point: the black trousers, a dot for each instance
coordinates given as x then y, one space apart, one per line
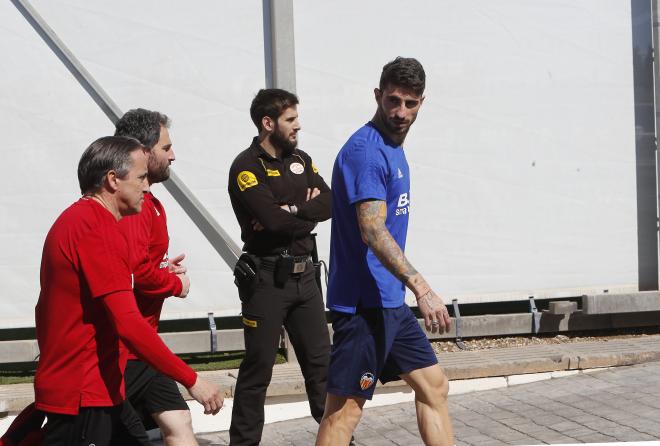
298 306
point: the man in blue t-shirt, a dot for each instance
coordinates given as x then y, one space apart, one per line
376 336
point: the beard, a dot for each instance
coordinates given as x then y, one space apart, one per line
393 128
279 140
158 172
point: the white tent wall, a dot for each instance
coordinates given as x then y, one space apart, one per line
523 156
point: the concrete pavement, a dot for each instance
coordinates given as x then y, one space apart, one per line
620 404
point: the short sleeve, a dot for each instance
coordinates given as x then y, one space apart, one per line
365 173
103 256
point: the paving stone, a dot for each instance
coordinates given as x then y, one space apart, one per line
599 407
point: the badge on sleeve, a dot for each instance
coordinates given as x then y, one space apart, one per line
314 168
246 179
297 168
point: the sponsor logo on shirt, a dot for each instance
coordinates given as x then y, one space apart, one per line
314 168
399 174
273 172
403 206
246 179
297 168
366 380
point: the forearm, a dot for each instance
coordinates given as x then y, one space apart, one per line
371 220
156 283
142 340
316 210
390 255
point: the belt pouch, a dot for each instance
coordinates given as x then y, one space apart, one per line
246 276
283 268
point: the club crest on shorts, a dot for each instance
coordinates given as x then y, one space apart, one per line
366 380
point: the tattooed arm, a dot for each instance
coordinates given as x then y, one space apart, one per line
371 215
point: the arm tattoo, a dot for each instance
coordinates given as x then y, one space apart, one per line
371 217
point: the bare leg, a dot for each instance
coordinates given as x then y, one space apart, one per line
341 417
431 387
176 427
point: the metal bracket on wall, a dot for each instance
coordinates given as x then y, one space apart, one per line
214 333
457 320
536 315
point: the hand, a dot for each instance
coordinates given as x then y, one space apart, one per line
208 395
434 311
175 265
185 285
256 226
312 193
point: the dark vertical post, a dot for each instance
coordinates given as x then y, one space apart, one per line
645 143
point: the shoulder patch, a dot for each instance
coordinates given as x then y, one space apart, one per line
273 172
314 168
246 179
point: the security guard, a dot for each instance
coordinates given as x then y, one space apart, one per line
278 197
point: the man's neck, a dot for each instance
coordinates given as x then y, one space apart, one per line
394 138
269 147
107 202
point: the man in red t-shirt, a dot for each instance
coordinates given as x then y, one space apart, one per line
86 310
155 397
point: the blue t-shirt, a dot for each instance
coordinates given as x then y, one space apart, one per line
367 167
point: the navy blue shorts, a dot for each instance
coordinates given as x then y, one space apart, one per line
375 343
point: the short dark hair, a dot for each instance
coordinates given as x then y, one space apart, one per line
404 72
271 102
103 155
143 125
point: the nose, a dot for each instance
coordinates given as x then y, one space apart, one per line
145 186
400 112
171 157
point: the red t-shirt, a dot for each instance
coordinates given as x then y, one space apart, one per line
81 361
86 304
148 241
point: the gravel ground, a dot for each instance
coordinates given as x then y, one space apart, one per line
476 344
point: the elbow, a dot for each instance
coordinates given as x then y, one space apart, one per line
367 235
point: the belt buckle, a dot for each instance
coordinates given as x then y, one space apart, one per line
299 267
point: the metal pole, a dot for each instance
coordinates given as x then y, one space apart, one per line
656 78
218 237
213 232
280 64
279 45
85 79
645 147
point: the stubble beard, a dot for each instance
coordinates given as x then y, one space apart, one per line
158 173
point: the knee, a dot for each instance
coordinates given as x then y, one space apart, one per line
443 386
175 424
257 367
345 417
435 390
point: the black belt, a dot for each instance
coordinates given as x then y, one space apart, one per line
299 263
